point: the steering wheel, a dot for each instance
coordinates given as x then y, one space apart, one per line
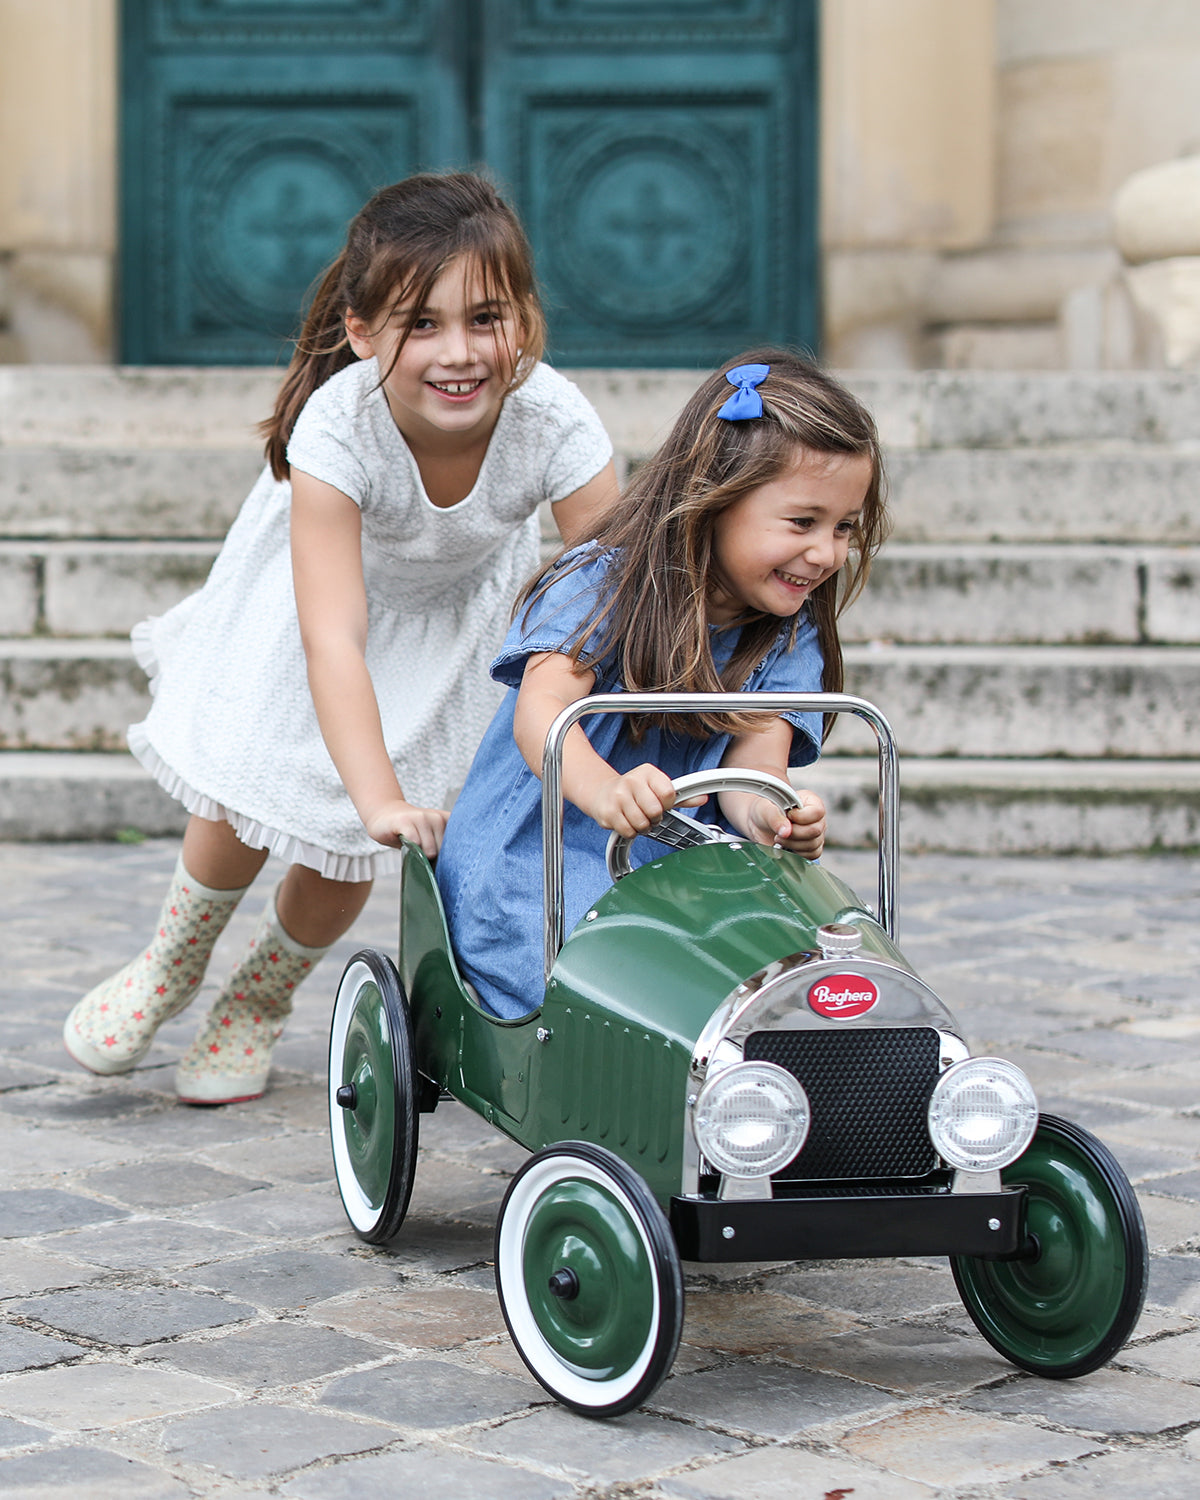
680 831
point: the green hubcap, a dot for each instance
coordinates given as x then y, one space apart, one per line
579 1226
371 1125
1057 1308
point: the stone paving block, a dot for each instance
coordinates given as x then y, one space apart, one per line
82 1110
1174 1358
261 1439
291 1213
421 1318
1178 1185
20 1349
289 1279
90 1472
618 1451
36 1151
767 1401
790 1474
760 1323
24 1270
128 1316
267 1355
168 1183
1111 1401
871 1289
428 1246
1171 1223
453 1191
303 1158
43 1210
950 1448
426 1393
909 1359
151 1244
19 1435
418 1473
1175 1282
1133 1472
76 1398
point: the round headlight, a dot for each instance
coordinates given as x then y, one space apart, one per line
982 1114
751 1119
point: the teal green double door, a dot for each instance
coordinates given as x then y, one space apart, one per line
661 153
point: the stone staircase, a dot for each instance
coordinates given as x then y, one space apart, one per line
1032 630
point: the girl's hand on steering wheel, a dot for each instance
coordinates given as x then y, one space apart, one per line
631 803
801 829
399 819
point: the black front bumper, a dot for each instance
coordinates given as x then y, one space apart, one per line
987 1225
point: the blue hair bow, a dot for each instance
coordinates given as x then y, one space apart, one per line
745 401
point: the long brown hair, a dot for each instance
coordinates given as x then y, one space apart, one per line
396 248
654 612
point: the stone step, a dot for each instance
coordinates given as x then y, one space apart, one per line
1010 595
919 594
174 407
1050 496
1126 702
954 806
95 588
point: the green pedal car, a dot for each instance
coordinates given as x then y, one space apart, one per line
732 1061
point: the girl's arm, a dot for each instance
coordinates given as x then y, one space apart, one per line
331 601
576 515
628 803
803 827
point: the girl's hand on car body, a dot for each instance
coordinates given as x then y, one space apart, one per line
399 819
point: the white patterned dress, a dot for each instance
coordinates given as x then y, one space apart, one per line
232 732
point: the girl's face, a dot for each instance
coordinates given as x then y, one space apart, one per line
453 371
776 543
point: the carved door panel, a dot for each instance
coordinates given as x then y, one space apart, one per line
253 131
661 152
663 156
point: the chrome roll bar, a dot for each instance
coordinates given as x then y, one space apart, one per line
710 703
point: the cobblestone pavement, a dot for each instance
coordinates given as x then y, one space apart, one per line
184 1311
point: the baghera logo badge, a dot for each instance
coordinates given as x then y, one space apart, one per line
842 996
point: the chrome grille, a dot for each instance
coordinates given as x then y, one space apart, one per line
869 1089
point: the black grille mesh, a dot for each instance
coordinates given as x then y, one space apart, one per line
869 1092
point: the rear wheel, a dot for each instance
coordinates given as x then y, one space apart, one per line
1070 1305
589 1279
373 1096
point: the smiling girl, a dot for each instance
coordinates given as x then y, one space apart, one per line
322 694
723 568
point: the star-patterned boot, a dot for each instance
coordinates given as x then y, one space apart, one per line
111 1028
230 1058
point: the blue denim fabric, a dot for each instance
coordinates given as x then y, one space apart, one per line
490 866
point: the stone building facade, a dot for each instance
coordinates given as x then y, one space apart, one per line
971 151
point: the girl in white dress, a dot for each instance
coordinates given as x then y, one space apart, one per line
322 695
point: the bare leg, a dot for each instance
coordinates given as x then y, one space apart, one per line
315 911
215 856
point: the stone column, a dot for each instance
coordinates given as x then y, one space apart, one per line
1156 224
57 180
908 142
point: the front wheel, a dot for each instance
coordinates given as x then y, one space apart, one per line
373 1096
1068 1306
589 1279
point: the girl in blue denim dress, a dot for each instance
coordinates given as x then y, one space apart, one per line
723 568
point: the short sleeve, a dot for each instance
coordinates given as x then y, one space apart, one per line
326 440
795 671
581 446
555 617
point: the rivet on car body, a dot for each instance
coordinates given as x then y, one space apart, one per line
591 916
728 1232
993 1223
544 1033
